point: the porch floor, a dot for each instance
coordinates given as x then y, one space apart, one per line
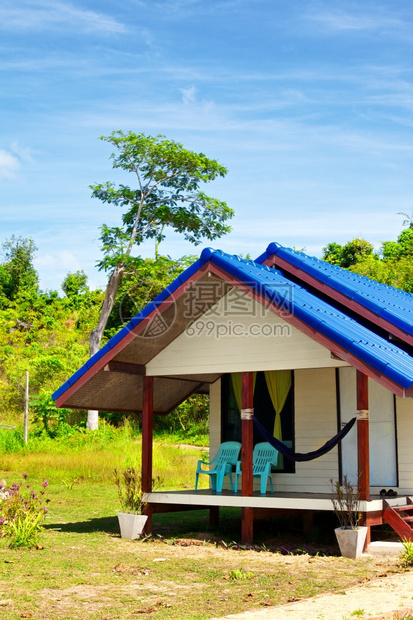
277 500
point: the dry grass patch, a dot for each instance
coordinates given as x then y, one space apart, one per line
86 571
176 466
97 575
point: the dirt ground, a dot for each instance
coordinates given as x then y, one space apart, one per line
385 598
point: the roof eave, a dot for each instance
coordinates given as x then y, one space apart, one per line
271 258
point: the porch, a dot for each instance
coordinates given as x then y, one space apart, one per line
205 498
265 506
252 503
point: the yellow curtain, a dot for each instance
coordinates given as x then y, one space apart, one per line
236 378
279 384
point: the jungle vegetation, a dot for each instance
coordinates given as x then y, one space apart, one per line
47 332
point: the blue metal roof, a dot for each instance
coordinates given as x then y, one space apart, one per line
387 302
372 349
346 332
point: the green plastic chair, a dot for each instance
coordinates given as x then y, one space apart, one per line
263 457
220 466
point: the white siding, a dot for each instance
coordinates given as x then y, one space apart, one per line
348 408
404 409
383 466
383 458
315 423
225 341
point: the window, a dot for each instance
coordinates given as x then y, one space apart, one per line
264 410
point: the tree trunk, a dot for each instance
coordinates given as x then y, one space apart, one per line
92 422
95 337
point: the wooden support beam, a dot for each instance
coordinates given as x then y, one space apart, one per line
372 518
363 449
308 521
247 526
147 443
125 368
148 511
214 517
364 521
247 411
247 429
362 391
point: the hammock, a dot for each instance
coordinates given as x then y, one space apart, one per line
298 456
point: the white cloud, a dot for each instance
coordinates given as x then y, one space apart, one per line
188 95
9 164
24 153
46 14
60 260
340 20
11 159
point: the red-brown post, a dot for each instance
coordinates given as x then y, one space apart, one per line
363 444
363 451
147 442
247 411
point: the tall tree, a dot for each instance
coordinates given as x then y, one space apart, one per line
347 255
17 273
168 195
391 265
141 283
75 283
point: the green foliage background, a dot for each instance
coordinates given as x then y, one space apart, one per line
392 264
47 334
40 332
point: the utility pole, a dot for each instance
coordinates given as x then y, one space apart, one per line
26 407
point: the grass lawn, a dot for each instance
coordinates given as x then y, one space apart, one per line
85 570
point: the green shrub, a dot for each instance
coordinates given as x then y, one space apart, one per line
11 440
239 573
48 417
22 513
407 554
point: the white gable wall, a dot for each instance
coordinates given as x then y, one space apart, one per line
228 340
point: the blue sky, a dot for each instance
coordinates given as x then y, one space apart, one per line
308 104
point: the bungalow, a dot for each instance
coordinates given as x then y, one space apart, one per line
295 344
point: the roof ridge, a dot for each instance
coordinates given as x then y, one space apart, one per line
303 305
274 247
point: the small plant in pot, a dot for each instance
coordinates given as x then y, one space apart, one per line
346 504
131 518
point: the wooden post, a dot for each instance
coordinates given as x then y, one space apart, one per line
308 521
26 408
247 411
363 451
363 444
214 517
147 443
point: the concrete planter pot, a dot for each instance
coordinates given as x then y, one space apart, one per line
131 526
351 542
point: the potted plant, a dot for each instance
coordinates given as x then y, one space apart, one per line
131 518
346 503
